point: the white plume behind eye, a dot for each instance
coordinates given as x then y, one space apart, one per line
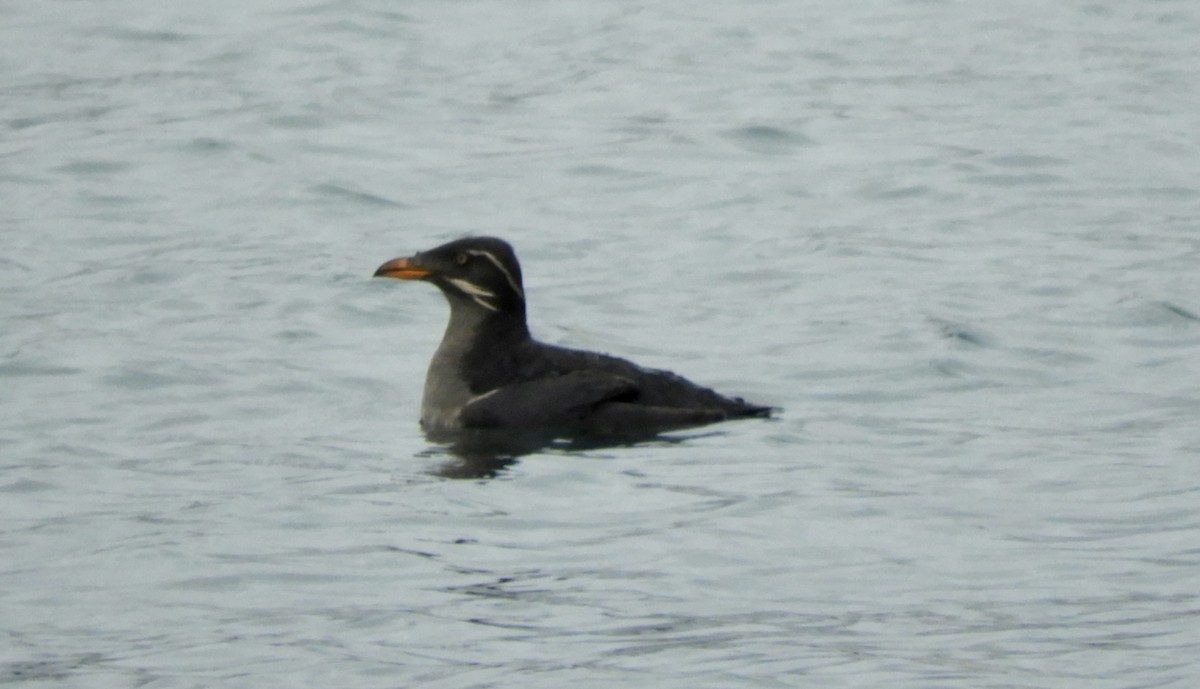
512 282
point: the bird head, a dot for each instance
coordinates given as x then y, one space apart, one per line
476 272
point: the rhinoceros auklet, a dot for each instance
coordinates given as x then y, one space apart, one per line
489 373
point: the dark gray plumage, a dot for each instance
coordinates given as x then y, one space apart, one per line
489 373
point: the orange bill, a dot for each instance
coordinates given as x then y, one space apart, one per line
402 269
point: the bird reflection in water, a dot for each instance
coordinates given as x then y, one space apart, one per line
486 454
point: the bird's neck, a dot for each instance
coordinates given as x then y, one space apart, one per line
469 325
476 337
476 351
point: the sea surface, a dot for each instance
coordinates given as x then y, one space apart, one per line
958 243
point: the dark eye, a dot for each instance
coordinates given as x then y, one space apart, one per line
461 259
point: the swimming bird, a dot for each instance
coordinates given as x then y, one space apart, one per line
489 373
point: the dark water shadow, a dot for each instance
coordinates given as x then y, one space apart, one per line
48 669
489 454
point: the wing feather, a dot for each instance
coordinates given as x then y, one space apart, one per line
555 401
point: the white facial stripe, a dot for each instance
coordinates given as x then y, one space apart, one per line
470 288
476 292
511 281
484 304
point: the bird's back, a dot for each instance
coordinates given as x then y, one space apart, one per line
655 387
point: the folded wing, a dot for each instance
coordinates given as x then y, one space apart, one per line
563 401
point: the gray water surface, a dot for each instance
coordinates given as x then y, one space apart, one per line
957 243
